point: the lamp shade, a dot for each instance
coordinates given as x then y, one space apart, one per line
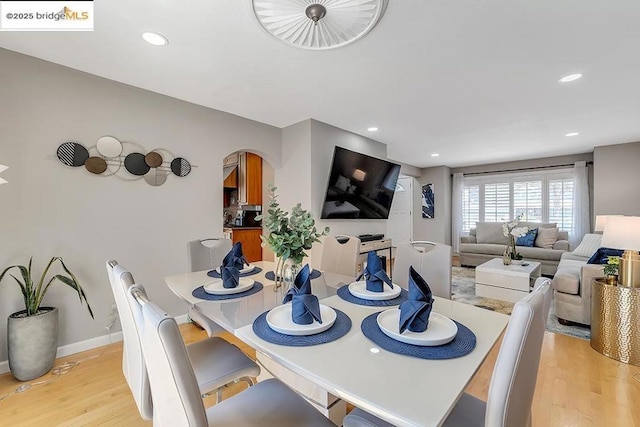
622 232
601 221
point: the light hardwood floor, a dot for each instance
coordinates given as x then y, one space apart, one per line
576 387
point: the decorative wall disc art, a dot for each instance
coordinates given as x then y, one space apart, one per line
72 154
125 160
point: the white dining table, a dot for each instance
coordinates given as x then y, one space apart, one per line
403 390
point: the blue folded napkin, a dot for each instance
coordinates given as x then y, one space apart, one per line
235 257
305 307
230 276
374 274
414 313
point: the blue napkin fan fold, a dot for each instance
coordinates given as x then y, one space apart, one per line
235 257
414 313
305 307
374 274
230 276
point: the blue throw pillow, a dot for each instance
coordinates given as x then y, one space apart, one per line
528 239
602 255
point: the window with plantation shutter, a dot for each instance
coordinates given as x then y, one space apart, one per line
541 196
496 202
470 207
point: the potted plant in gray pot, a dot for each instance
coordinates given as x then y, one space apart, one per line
32 333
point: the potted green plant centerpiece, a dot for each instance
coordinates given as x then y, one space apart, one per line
290 235
32 333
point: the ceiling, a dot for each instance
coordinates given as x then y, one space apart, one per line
473 80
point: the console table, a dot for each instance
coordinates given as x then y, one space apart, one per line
373 245
615 316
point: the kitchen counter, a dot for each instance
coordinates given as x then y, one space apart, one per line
243 227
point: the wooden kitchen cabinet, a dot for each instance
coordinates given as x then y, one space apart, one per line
251 242
250 179
232 180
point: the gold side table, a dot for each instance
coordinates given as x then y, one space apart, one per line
615 321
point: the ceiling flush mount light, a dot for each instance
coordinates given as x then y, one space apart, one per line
372 129
435 154
570 78
319 25
155 39
573 134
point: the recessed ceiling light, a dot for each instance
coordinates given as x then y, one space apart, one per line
372 129
155 39
573 134
570 78
374 350
434 154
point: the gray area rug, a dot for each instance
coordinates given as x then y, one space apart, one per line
464 290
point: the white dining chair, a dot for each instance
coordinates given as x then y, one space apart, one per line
514 376
175 392
216 362
431 260
340 255
206 254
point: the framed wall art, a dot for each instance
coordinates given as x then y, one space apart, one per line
427 201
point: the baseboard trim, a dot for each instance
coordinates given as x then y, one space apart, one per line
89 344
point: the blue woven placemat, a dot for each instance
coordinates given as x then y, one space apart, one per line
338 330
199 292
213 273
270 275
343 292
462 344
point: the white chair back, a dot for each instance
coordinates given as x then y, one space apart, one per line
173 383
514 377
431 260
133 366
340 258
206 254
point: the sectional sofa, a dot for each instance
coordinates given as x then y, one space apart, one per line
487 241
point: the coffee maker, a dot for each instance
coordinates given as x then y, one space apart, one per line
246 216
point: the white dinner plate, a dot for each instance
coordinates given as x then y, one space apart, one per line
359 290
215 287
441 329
247 269
279 319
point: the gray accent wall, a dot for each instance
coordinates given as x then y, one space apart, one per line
616 179
437 229
50 209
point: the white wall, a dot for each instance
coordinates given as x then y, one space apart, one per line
49 209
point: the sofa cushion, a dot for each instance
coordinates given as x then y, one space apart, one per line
482 248
546 237
490 232
531 225
589 245
540 254
567 277
528 239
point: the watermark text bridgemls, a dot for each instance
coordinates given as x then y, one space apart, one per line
46 16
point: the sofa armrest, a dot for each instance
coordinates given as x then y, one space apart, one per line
562 245
468 239
588 272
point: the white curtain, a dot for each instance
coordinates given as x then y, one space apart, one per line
581 217
456 211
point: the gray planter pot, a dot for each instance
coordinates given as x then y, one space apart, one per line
32 343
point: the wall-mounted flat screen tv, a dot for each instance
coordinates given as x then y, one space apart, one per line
360 186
